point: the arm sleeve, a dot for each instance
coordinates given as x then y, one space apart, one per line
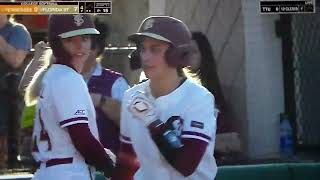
72 113
71 99
127 163
199 129
89 147
20 39
118 88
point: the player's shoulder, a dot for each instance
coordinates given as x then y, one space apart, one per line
59 70
111 72
61 76
116 76
195 87
137 87
197 91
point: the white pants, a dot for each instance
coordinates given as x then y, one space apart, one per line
70 171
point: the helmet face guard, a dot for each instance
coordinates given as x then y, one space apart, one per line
170 30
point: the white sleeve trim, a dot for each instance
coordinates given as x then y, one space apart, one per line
75 122
125 139
72 121
195 137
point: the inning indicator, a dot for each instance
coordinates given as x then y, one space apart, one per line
54 7
287 7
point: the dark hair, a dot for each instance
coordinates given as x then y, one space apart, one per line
207 72
99 41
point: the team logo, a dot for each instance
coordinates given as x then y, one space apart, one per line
78 19
176 124
148 24
80 112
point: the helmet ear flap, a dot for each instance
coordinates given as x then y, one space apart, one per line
134 59
179 56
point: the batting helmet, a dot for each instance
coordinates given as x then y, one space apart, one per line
167 29
66 26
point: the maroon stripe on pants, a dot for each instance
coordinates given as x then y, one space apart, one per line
53 162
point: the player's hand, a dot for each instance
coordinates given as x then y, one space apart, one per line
111 164
96 98
111 155
39 49
143 108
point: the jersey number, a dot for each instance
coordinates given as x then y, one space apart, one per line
43 136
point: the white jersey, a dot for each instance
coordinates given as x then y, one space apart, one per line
195 106
64 100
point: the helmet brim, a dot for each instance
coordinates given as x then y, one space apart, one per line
79 32
137 37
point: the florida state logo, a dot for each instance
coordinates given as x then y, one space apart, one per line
148 24
78 19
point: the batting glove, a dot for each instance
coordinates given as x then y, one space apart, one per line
143 108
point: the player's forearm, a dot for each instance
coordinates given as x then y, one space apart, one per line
127 163
14 57
112 108
194 150
89 147
176 152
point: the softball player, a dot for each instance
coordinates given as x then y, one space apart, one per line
168 122
65 138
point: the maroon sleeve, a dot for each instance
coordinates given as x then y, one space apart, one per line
194 149
127 163
88 146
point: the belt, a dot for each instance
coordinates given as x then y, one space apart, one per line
58 161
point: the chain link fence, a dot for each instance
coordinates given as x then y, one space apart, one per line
306 63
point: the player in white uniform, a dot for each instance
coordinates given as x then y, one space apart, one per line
168 122
65 138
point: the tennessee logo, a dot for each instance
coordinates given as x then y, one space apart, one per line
80 112
197 124
78 19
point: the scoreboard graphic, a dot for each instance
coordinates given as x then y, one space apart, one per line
287 6
56 7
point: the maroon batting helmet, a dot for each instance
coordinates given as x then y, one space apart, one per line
170 30
66 26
